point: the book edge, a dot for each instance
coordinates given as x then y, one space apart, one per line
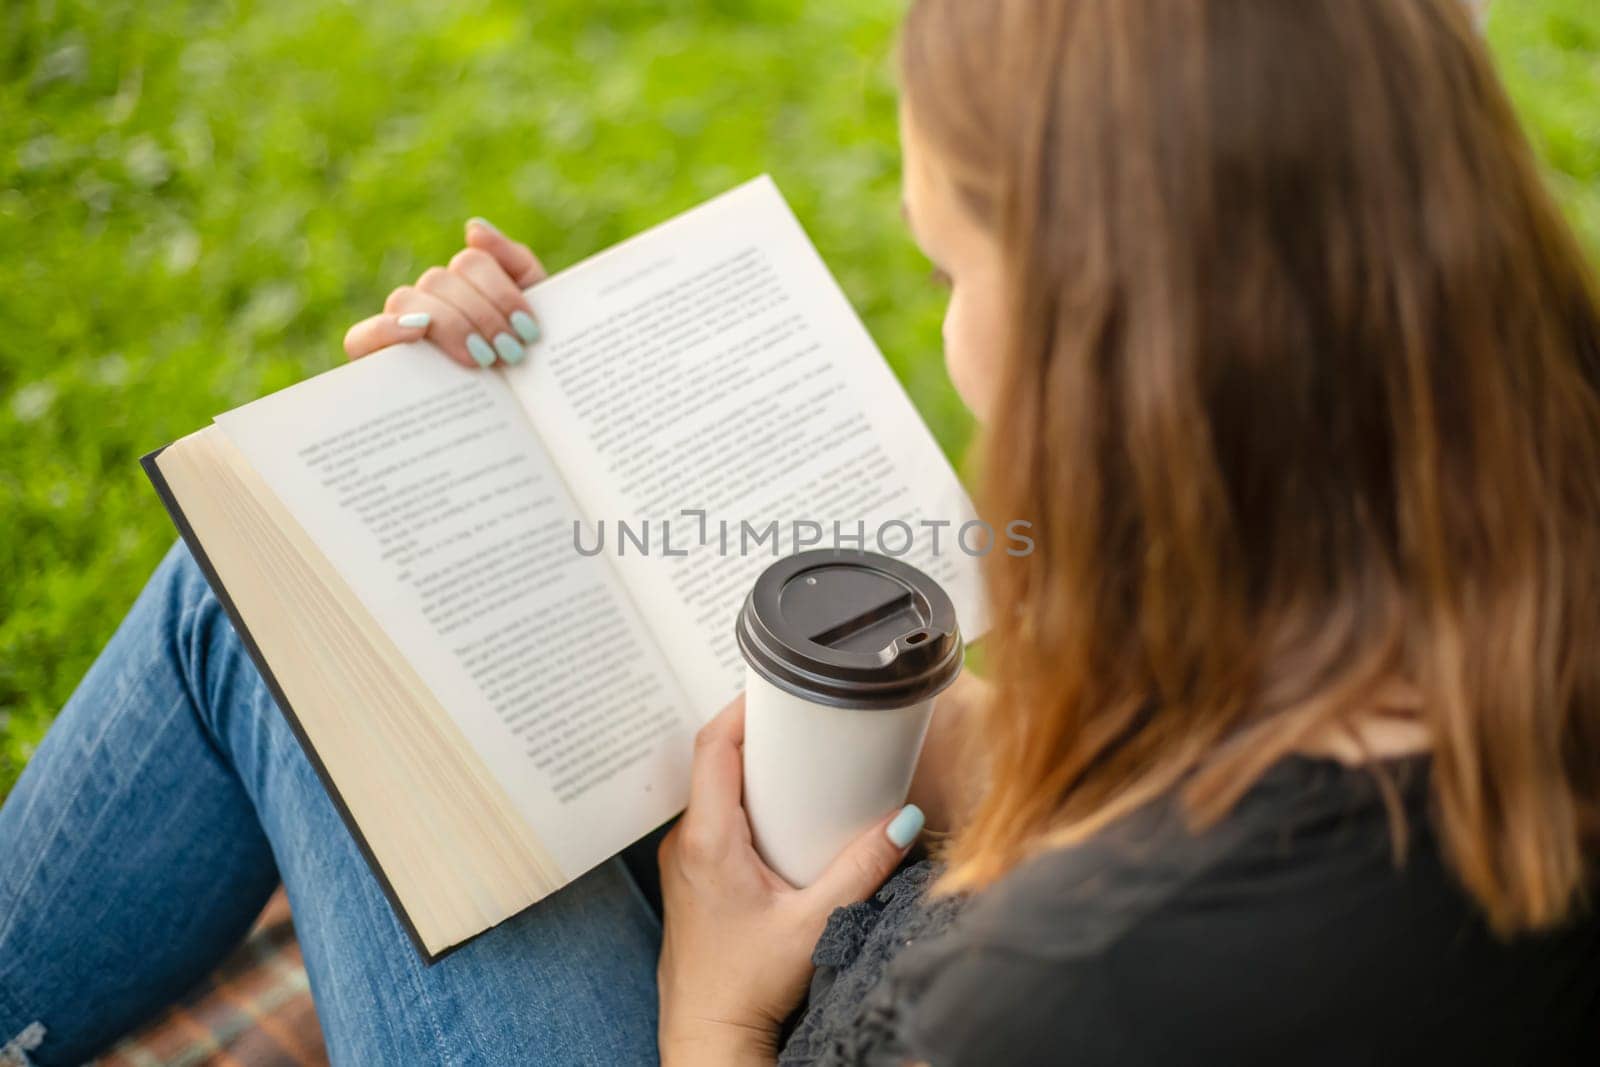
192 540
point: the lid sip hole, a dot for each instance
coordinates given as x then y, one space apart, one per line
917 638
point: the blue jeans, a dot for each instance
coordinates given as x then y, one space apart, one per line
169 800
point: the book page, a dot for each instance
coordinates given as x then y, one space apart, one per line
425 488
714 402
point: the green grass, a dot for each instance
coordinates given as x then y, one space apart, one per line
197 198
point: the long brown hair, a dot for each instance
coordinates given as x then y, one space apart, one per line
1300 392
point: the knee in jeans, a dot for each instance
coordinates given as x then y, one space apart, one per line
194 620
182 580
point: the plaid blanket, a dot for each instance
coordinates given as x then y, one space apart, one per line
255 1011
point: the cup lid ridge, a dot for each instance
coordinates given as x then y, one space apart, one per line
850 629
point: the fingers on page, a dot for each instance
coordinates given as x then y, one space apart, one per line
447 327
381 331
487 320
485 274
516 258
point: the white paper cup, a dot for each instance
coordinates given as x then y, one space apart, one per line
815 776
844 654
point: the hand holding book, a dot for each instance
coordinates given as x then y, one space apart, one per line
474 309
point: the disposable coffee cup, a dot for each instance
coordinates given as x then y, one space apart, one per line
844 652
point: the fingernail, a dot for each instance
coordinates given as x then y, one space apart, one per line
523 323
480 350
904 828
485 223
508 348
415 320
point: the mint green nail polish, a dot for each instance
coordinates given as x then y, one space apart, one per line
480 350
416 320
485 223
523 323
905 827
508 348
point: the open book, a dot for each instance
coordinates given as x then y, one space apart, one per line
496 605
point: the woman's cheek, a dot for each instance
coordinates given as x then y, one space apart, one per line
967 358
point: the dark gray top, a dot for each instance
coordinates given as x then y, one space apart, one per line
1288 933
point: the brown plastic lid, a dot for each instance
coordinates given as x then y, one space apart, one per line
850 629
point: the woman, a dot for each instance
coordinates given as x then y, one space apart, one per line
1293 746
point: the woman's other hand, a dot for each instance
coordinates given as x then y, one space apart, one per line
473 309
736 951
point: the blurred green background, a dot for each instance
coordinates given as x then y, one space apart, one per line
198 198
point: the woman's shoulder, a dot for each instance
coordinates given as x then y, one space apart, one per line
1303 813
1293 905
